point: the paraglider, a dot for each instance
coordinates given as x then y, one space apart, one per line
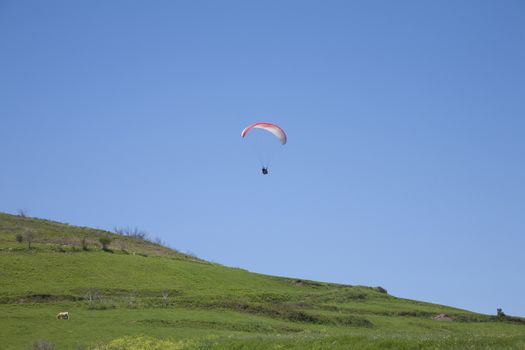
274 129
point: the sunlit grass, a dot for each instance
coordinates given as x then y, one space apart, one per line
155 298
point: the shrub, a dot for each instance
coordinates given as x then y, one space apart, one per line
60 249
132 232
131 300
190 254
43 345
91 294
105 241
19 238
84 244
165 295
146 342
101 305
381 290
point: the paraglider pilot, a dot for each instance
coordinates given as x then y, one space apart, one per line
264 170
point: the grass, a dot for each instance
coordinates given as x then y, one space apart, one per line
151 297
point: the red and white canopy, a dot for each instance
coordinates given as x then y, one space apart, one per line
274 129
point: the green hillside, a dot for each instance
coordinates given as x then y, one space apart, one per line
136 294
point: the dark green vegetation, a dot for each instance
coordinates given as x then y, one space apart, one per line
136 294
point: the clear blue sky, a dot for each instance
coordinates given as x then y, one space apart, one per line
406 122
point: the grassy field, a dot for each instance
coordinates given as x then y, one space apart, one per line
140 295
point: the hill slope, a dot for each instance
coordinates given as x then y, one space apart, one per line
141 295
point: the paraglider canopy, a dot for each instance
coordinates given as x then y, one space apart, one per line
274 129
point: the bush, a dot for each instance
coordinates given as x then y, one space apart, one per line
165 296
91 295
84 244
60 249
105 241
132 232
146 342
101 305
381 290
19 238
43 345
131 301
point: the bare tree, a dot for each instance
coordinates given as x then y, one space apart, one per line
165 295
91 295
28 236
132 232
22 212
191 254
